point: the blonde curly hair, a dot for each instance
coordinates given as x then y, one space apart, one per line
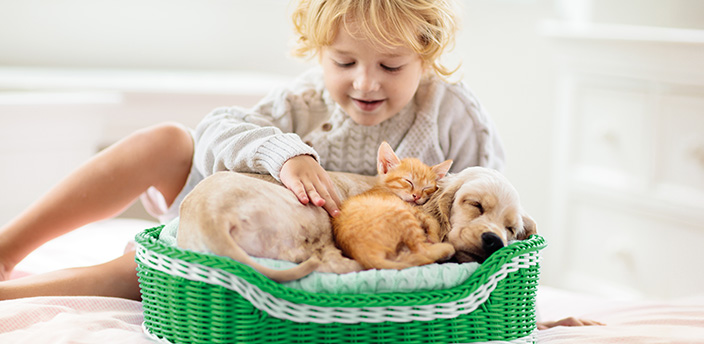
428 27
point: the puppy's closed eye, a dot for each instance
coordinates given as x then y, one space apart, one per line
477 205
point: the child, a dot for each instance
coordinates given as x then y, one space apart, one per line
379 80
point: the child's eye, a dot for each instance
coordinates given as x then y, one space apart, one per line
344 65
391 69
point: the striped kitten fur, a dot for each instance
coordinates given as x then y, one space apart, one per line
384 227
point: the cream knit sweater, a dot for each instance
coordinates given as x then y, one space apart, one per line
443 121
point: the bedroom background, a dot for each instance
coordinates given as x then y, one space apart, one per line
600 105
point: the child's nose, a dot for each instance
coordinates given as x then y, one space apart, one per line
365 81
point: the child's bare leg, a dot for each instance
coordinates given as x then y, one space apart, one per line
158 156
116 278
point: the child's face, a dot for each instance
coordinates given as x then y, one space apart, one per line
371 83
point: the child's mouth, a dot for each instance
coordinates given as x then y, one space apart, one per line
368 105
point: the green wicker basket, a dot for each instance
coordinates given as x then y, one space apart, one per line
190 297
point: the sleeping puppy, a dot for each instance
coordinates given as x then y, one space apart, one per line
238 215
480 212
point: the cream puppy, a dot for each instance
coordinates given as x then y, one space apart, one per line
238 215
481 212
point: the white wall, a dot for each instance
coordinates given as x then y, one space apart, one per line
208 34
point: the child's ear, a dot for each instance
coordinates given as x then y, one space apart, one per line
442 168
386 159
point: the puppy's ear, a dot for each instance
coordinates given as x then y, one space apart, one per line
440 204
529 227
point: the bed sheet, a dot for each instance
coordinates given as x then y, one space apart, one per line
113 320
71 320
627 321
91 244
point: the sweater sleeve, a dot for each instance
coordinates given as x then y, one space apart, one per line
468 134
257 140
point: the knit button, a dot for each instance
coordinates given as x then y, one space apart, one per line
327 126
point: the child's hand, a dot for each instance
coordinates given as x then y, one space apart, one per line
310 183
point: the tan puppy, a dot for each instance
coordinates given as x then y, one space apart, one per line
480 213
237 215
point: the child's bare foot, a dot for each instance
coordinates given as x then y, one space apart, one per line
570 321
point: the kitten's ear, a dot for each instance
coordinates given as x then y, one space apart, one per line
386 159
442 168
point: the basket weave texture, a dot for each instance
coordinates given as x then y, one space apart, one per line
191 297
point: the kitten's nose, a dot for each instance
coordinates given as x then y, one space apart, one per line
416 197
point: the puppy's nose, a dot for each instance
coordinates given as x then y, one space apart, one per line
491 243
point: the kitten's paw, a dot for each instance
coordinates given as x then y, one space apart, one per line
442 252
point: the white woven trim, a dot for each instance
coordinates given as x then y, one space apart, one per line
303 313
152 336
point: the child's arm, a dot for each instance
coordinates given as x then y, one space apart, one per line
226 143
243 140
260 139
310 183
265 138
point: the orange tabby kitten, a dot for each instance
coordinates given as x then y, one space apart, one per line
375 227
